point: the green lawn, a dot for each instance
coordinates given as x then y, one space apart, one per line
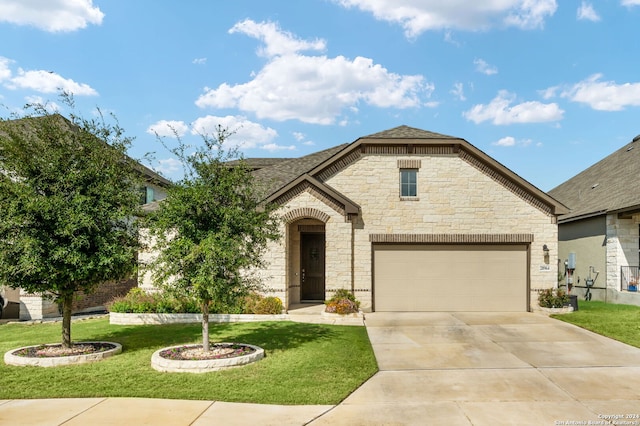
304 363
620 322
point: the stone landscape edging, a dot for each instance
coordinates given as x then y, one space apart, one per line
166 365
11 359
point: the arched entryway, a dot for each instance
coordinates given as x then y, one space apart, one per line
306 257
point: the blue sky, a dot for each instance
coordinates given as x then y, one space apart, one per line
545 87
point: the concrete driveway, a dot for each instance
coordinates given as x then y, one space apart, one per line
491 369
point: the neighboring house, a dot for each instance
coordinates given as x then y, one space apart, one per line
602 227
35 306
409 220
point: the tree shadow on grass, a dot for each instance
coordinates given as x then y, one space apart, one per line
268 335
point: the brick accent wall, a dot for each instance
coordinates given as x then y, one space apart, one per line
104 293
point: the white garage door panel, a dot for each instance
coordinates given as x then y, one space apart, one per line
450 277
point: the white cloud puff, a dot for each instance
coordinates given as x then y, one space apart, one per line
244 133
506 141
500 111
47 82
604 95
312 89
169 166
418 16
483 67
586 12
51 15
168 128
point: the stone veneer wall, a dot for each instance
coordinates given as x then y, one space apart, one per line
454 198
622 247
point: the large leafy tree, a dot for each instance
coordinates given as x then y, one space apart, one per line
211 230
68 198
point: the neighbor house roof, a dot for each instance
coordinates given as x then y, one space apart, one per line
26 125
313 170
609 186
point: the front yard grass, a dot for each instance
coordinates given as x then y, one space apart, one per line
304 363
619 322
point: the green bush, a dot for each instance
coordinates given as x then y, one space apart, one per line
141 302
269 306
552 298
342 302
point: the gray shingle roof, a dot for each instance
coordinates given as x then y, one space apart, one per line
611 184
280 174
406 132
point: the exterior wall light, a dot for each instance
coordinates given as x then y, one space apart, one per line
545 251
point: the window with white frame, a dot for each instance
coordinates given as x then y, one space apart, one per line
408 183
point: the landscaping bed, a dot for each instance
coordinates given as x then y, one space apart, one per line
304 363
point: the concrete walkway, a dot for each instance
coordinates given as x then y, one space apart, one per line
435 368
491 369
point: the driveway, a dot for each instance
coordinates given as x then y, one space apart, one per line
491 369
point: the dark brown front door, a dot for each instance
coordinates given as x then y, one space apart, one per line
311 267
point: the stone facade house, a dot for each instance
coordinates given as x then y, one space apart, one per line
602 229
409 220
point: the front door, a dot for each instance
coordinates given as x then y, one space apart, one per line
311 267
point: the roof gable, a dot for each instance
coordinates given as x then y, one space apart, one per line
609 185
402 140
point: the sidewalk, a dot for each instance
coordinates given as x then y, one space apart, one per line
155 412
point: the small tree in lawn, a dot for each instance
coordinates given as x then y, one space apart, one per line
68 196
211 230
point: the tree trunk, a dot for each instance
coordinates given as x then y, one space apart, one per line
205 326
67 301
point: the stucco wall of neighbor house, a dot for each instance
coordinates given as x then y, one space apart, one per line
587 239
453 198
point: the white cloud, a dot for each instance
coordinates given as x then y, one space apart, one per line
46 82
500 111
245 133
418 16
49 106
299 136
549 92
483 67
274 147
586 12
631 2
199 61
5 71
169 166
509 141
458 91
51 15
312 89
604 95
168 128
276 42
506 141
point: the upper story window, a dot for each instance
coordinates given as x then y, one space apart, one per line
409 178
147 195
408 182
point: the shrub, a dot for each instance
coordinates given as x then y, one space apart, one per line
551 298
139 301
269 306
342 302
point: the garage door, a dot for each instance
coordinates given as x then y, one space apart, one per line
482 278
